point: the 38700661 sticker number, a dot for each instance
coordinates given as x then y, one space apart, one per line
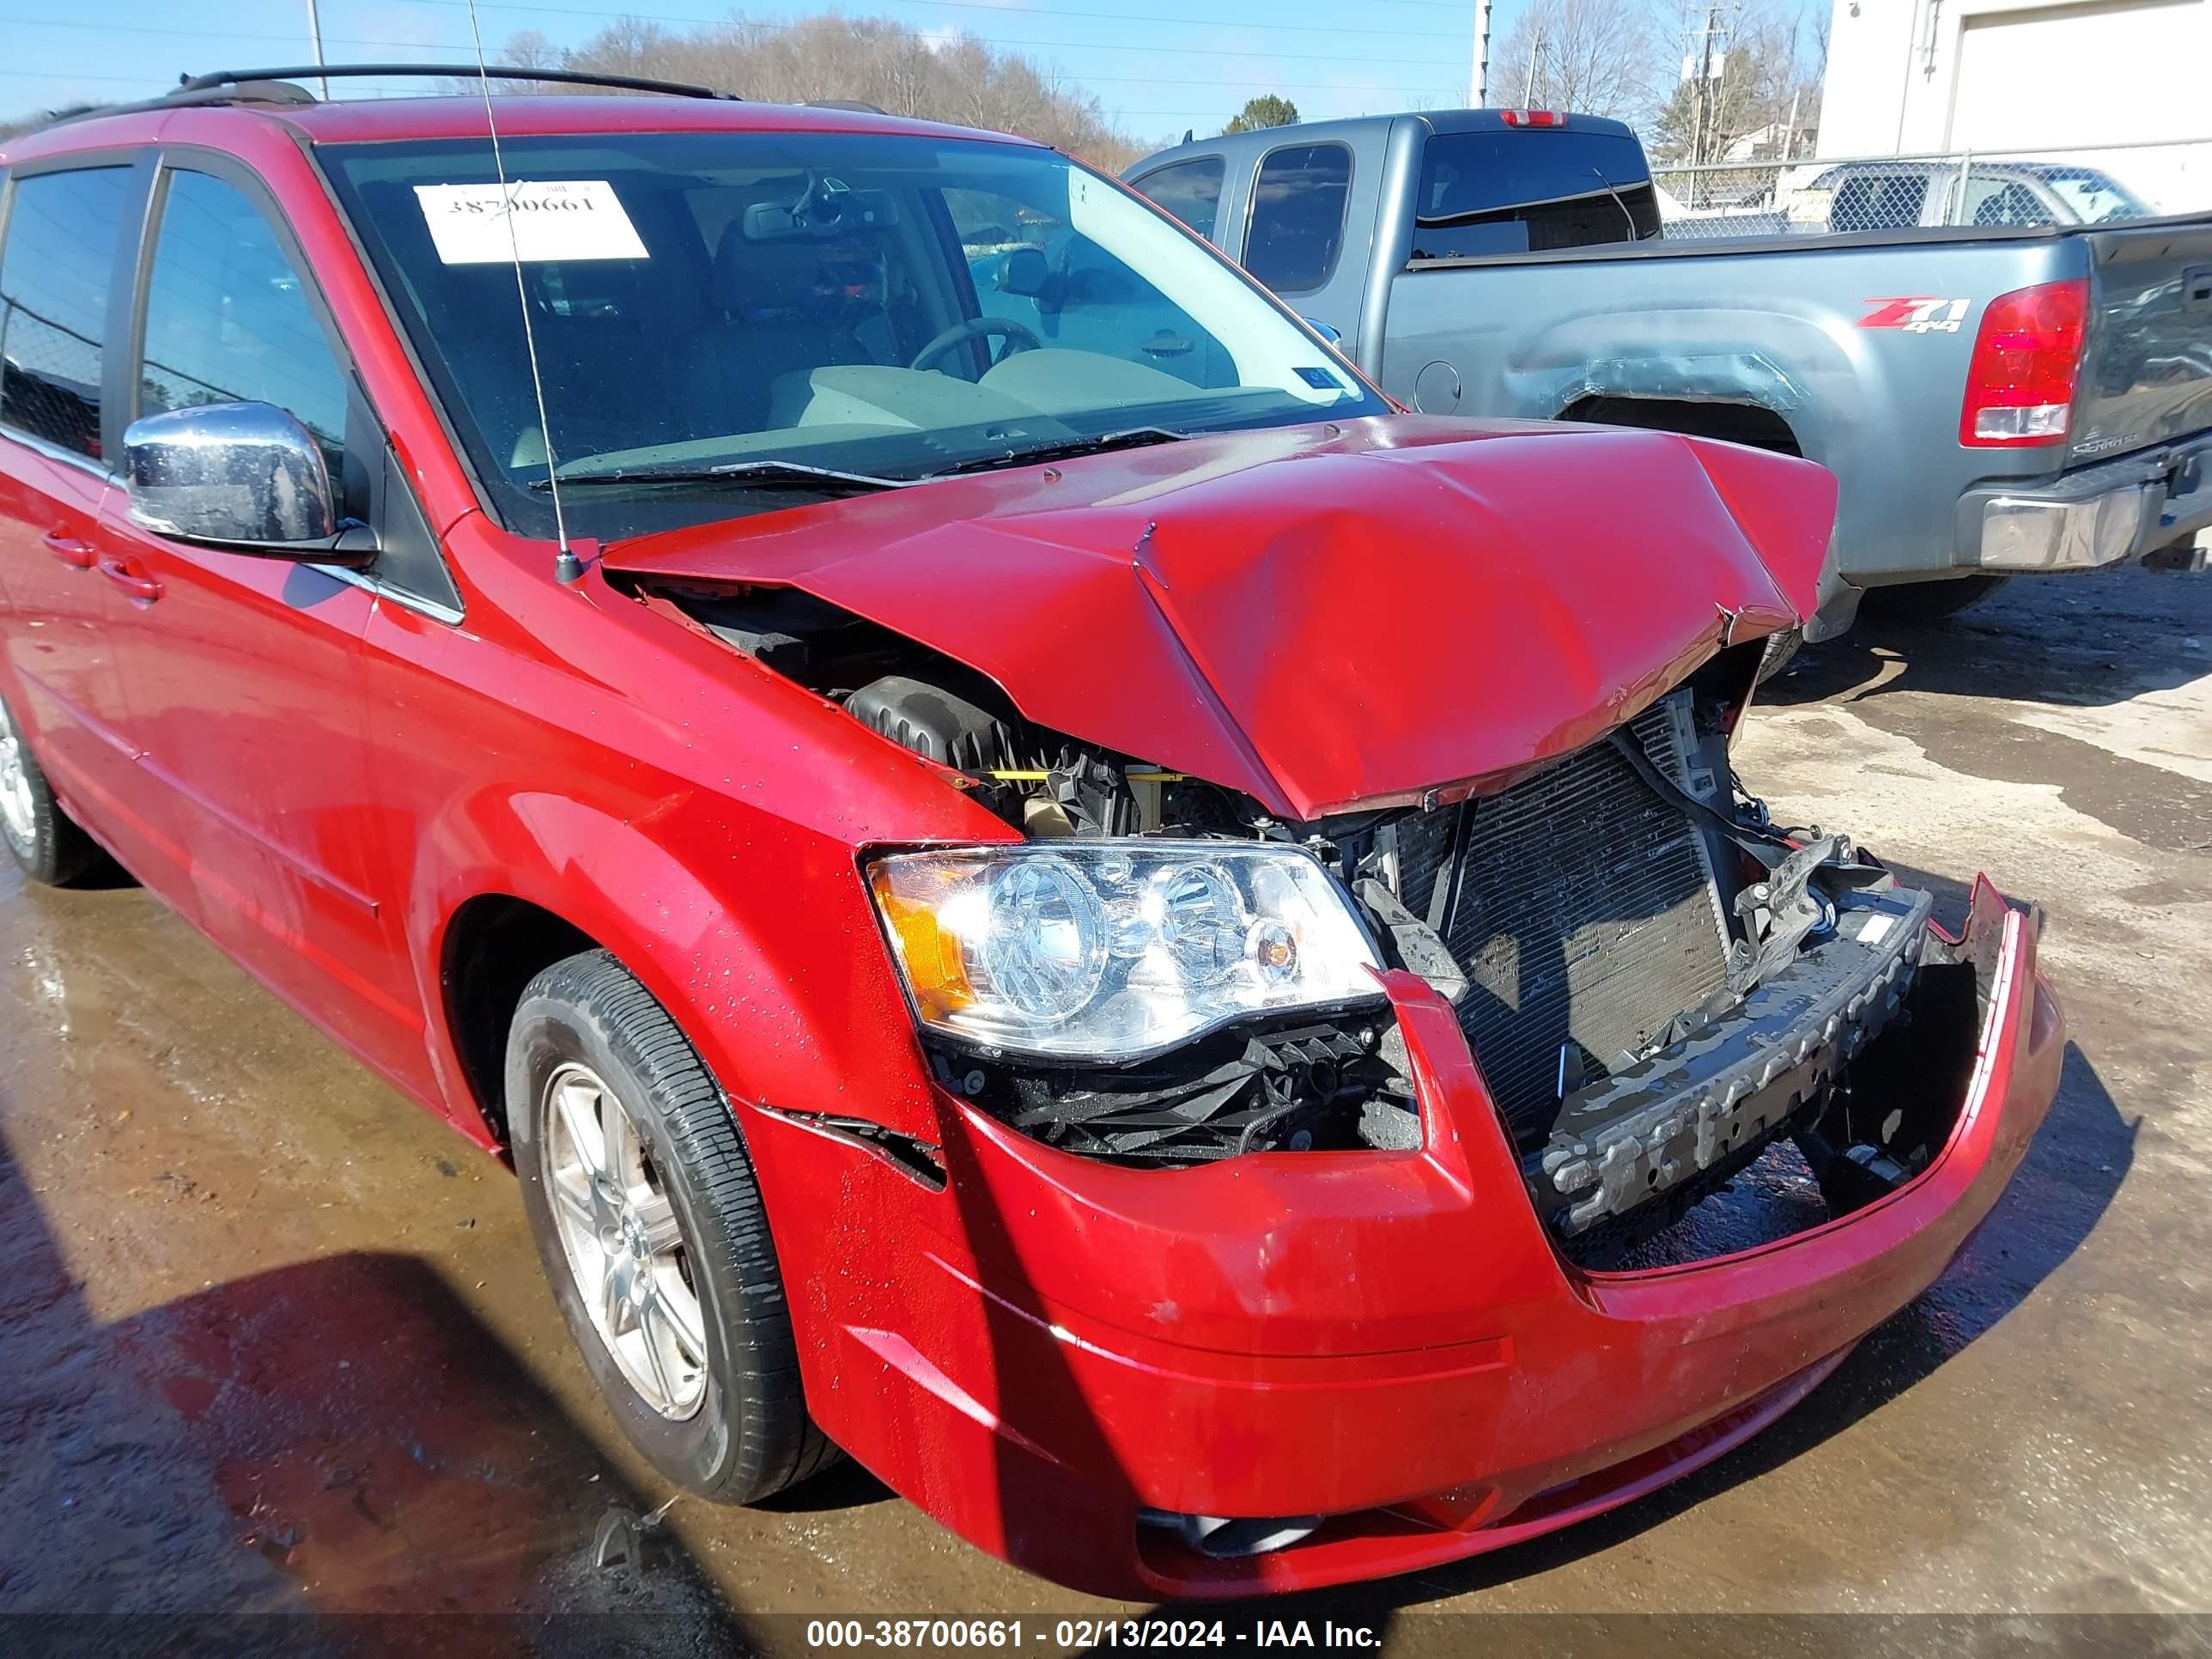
534 221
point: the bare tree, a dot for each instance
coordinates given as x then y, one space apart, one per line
1597 57
530 49
1758 84
953 77
525 48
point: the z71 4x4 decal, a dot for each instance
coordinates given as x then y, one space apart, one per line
1916 316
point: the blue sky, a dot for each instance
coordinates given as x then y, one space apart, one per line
1157 65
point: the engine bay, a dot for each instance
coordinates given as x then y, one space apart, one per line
1042 782
1657 984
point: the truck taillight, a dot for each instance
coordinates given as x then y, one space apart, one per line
1532 118
2020 386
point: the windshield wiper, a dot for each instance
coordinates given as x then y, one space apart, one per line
1634 234
1135 437
746 475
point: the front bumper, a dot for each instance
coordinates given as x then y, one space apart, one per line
1045 1347
2091 517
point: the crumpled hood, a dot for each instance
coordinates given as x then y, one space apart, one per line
1326 616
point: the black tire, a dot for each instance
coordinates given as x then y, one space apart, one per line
1781 649
749 1437
50 847
1928 602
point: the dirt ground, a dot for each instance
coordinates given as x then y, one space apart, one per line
275 1340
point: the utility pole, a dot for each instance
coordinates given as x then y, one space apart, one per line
315 39
1698 110
1479 83
1535 57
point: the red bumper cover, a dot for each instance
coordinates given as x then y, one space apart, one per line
1048 1345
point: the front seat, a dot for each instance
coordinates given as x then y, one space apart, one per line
769 318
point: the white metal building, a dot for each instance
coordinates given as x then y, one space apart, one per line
1917 76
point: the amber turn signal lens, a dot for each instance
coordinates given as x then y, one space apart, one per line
931 956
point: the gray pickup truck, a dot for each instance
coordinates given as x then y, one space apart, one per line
1996 400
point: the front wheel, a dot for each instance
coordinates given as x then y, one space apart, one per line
44 840
1782 648
649 1222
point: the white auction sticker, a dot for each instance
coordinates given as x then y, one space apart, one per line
567 219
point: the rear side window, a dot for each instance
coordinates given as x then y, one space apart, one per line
2000 202
228 317
1189 190
1881 201
1530 189
1296 229
54 279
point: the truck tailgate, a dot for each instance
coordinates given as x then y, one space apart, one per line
2146 376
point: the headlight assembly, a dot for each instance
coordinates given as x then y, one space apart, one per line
1113 951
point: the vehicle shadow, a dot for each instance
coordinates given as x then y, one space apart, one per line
342 1437
2084 640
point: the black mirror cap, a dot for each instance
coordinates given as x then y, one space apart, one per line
1023 270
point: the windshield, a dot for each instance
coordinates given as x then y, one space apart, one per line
2095 197
890 307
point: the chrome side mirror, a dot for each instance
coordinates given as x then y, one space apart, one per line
248 477
1333 336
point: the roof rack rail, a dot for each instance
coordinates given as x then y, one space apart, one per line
190 84
244 92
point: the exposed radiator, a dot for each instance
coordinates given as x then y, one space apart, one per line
1585 913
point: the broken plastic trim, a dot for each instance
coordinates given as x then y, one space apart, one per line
1286 1083
911 1157
1702 1106
1227 1540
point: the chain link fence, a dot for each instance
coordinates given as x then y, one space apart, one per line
50 379
2110 184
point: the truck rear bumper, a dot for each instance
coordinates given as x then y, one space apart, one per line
2091 517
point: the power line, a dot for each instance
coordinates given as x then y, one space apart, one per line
1212 53
1184 21
433 46
602 14
1150 48
1207 111
49 75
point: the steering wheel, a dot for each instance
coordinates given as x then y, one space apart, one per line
1018 338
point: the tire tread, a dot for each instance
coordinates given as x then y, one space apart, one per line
780 1444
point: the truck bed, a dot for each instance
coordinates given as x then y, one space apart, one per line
1852 349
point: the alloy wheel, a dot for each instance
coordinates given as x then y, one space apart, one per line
624 1245
18 810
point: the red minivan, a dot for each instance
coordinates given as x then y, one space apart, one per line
1037 884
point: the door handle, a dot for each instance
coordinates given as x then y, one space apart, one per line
130 581
71 551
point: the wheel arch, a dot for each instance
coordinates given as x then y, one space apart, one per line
749 948
1738 421
493 944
